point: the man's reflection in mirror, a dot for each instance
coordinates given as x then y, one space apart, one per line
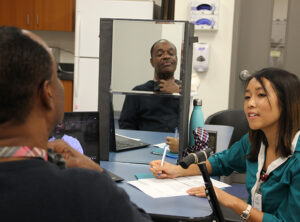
155 113
59 133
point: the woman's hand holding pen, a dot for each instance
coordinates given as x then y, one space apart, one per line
168 170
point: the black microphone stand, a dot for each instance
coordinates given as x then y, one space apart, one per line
210 193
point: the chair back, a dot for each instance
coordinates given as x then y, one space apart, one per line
235 118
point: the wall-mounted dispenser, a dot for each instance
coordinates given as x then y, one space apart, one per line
200 56
204 14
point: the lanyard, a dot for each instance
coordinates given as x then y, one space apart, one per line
23 151
33 152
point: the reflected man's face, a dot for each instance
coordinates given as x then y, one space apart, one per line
164 59
60 130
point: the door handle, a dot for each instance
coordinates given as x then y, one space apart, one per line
244 75
37 20
27 19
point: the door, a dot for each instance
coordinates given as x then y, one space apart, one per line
68 86
7 12
251 44
18 13
24 14
54 15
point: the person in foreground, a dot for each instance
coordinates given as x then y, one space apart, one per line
269 153
32 104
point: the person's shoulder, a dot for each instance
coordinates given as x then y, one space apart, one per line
84 191
86 181
243 144
149 85
245 138
102 196
85 175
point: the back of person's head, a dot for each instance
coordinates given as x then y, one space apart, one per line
24 66
287 88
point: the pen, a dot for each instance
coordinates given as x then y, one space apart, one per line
176 132
163 157
174 157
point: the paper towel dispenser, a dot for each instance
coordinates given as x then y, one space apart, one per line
204 14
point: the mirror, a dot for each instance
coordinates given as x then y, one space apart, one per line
131 44
125 47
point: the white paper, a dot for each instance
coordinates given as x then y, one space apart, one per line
161 145
157 188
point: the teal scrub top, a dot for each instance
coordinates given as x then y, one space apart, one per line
280 193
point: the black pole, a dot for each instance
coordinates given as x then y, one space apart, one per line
210 193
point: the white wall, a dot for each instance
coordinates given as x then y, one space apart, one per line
62 40
214 84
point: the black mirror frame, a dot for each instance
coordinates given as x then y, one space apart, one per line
105 96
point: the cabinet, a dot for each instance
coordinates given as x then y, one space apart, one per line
51 15
68 85
7 12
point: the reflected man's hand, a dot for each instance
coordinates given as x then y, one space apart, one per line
169 86
173 144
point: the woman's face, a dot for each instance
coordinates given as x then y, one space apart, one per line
261 107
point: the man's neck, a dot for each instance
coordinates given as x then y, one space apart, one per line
156 78
24 135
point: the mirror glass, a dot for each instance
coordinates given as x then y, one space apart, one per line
132 41
131 45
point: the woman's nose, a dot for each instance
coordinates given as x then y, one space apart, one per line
251 102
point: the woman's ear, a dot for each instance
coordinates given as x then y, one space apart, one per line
47 94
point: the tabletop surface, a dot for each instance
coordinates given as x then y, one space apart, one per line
182 206
144 155
127 163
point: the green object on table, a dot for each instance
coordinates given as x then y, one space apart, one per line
144 175
159 151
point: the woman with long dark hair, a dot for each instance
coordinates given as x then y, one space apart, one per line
269 154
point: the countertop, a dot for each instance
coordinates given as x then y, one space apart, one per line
65 76
65 71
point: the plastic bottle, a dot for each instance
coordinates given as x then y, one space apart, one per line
196 120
